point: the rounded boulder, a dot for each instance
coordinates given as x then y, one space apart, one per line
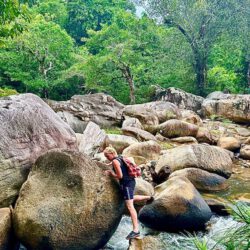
67 203
179 206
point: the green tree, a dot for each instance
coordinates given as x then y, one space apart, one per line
227 65
131 54
11 14
91 14
200 22
38 56
52 10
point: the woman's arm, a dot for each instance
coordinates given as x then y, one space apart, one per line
118 170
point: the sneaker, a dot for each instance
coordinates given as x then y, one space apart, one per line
150 200
133 235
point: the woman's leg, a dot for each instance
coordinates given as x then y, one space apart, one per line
133 214
142 198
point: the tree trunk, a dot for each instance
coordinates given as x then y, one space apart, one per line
200 70
132 90
199 58
129 78
45 93
248 75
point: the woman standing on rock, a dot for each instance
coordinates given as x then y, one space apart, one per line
127 184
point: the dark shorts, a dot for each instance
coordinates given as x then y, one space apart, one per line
127 189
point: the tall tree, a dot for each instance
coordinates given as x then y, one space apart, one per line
201 22
38 56
123 54
91 14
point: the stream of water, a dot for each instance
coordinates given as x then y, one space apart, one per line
174 241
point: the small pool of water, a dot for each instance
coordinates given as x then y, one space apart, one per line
239 186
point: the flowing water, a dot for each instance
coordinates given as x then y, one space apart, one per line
174 241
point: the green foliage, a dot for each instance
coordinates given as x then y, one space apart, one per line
91 14
220 79
38 56
116 131
201 23
200 244
138 50
7 92
52 10
236 238
11 16
119 53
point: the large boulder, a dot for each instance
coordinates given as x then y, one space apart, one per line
178 206
177 128
7 238
148 150
232 107
202 180
119 142
164 110
143 187
67 203
99 108
229 143
28 128
73 121
139 134
132 122
93 140
145 115
182 99
210 158
191 117
152 113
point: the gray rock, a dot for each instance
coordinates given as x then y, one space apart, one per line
210 158
74 122
178 206
152 113
93 140
99 108
216 95
233 107
119 142
148 150
202 180
182 99
132 122
139 134
176 128
67 203
28 128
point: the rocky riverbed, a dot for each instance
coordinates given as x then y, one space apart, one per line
194 154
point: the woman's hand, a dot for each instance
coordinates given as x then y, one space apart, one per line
108 172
